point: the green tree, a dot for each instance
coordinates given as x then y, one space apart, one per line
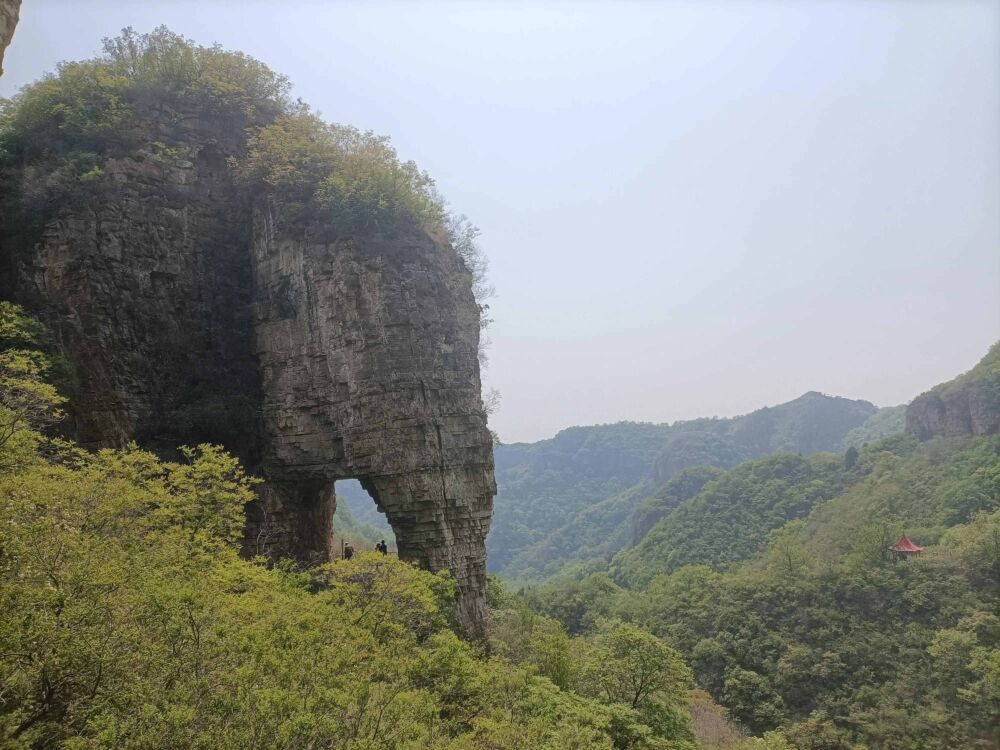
629 666
28 402
850 458
752 700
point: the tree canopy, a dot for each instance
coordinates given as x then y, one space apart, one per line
130 621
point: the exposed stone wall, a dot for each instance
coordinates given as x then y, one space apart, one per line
368 351
971 409
9 13
144 279
164 286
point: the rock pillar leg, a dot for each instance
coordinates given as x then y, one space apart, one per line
292 521
441 518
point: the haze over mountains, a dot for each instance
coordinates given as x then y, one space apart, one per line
216 309
778 581
571 497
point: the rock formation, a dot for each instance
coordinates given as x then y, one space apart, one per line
9 11
368 351
967 405
177 295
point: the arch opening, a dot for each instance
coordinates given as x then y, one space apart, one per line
359 520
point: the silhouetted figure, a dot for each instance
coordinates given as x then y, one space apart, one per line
348 551
382 547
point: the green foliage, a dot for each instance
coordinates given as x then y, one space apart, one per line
978 544
564 506
28 403
769 741
542 485
583 543
639 684
130 621
18 330
337 175
825 635
886 422
128 618
730 519
629 665
986 371
751 698
919 488
579 605
803 624
56 135
58 132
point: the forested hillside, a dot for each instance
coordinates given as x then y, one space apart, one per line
776 581
566 504
130 620
886 422
541 486
713 584
731 517
967 405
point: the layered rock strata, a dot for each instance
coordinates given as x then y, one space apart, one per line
172 295
368 351
955 412
966 406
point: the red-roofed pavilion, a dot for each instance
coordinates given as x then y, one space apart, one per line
904 547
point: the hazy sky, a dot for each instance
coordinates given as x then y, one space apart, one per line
690 209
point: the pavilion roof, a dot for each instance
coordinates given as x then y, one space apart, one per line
905 545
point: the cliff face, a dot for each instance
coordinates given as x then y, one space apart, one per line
967 405
9 11
179 302
146 281
368 351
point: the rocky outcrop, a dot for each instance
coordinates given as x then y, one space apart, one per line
181 301
968 405
9 13
147 284
368 351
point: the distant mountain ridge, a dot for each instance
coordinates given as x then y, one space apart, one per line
776 579
727 518
570 499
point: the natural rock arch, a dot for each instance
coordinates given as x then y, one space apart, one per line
368 352
168 288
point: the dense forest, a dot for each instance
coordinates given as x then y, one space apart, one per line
776 582
568 503
131 621
130 618
716 583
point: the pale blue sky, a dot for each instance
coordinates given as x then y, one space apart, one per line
690 209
